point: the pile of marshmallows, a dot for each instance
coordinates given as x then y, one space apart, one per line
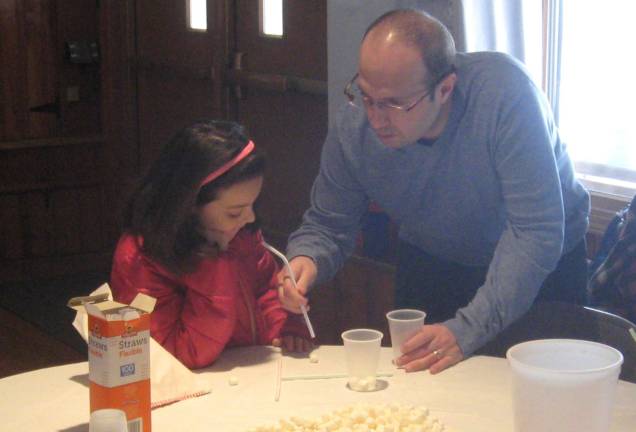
362 384
363 418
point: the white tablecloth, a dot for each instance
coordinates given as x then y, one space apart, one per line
471 396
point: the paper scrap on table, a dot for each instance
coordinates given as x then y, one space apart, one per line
170 380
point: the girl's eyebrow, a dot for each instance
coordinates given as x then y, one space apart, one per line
237 206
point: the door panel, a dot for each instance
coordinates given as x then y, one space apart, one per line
302 51
290 128
287 120
36 226
50 143
10 234
79 83
174 67
28 68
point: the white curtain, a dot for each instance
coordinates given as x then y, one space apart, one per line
510 26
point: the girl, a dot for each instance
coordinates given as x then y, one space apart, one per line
191 243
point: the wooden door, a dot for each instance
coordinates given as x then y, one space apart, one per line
174 67
50 139
277 88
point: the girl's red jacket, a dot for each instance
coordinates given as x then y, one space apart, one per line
229 300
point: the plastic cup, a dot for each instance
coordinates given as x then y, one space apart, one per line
403 323
108 420
563 385
362 351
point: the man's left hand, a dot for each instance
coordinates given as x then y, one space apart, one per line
434 348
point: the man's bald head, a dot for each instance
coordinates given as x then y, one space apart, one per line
418 30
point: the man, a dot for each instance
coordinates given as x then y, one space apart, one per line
463 153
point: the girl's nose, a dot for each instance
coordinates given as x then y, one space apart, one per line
249 215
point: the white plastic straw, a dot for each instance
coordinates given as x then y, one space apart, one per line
279 373
328 376
283 258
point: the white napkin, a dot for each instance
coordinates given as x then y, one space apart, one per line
170 380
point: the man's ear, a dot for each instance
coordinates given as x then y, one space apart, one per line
446 86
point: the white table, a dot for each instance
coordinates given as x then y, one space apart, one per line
472 396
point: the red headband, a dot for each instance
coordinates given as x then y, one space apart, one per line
229 164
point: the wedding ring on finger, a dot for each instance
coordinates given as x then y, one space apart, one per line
438 353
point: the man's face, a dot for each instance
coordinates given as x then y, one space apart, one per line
394 73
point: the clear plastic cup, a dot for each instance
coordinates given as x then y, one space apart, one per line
362 351
108 420
403 323
563 385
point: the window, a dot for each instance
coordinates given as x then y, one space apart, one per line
597 91
197 15
271 18
578 51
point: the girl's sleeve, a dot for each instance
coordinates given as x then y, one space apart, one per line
191 323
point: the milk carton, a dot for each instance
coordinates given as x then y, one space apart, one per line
119 358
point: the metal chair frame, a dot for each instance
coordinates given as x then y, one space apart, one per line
556 320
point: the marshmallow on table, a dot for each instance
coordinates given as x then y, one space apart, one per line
384 417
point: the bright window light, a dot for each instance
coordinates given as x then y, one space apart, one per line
197 15
271 17
590 80
597 88
532 39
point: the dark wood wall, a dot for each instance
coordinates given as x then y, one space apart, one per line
51 191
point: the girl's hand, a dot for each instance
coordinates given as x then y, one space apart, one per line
293 343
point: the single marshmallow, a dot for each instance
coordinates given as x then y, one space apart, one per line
313 357
233 380
370 383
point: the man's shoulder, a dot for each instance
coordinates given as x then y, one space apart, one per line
350 120
494 76
349 131
487 60
492 67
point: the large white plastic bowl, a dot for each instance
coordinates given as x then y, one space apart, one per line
563 385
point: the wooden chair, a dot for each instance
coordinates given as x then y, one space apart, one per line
549 320
359 296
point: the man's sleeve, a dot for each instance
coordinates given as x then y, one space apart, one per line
532 241
329 227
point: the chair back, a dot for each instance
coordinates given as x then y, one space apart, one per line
557 320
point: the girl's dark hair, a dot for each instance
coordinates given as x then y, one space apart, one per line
162 208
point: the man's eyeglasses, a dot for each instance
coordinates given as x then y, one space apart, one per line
360 100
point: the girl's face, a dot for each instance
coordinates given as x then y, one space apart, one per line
221 219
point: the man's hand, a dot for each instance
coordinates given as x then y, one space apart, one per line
305 272
434 348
